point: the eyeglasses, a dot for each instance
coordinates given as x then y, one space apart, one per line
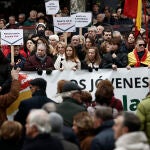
142 45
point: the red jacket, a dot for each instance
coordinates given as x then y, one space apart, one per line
33 64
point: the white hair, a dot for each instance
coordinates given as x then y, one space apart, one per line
41 46
56 37
39 118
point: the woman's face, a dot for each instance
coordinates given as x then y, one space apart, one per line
30 45
131 38
91 54
69 51
108 47
61 49
88 43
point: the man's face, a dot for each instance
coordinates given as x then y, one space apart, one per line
33 88
41 52
107 36
118 127
91 33
75 41
140 45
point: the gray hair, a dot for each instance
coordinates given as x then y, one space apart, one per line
104 112
40 119
56 122
49 107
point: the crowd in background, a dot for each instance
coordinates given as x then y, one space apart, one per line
78 122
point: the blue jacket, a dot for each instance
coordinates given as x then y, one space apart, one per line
105 138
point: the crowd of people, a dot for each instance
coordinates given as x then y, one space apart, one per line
78 121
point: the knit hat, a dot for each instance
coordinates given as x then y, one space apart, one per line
40 25
40 82
70 86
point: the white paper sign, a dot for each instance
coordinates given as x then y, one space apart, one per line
64 24
12 37
82 19
52 7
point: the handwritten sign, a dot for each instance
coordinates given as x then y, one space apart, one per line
52 7
12 37
82 19
64 24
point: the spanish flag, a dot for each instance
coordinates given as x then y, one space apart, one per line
133 9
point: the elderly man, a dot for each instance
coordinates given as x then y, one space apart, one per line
140 56
127 133
38 132
39 61
72 103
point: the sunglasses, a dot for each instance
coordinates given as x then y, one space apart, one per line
142 45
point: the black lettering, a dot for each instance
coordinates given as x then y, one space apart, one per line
126 82
91 90
118 83
137 82
82 82
145 80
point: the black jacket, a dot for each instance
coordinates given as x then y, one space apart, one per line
5 77
42 142
39 98
105 138
121 60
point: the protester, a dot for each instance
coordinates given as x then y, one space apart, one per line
5 74
72 103
143 112
104 95
92 60
39 61
38 99
56 122
11 135
127 133
19 59
71 61
140 56
83 128
38 131
103 122
7 99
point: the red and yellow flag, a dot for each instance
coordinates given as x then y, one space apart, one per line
133 9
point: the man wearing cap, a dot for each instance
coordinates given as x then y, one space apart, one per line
38 99
72 104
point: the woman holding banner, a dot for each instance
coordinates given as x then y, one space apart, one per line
92 60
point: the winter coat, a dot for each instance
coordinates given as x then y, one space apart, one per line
7 99
132 141
121 61
5 77
33 63
104 140
38 99
68 108
143 112
42 142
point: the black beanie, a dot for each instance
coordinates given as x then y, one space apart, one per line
40 82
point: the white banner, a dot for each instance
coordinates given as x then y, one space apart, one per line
82 19
64 24
52 7
129 85
12 37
